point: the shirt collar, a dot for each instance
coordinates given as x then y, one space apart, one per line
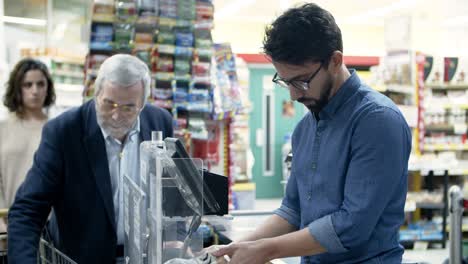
347 89
133 131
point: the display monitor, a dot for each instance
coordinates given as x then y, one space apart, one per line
192 187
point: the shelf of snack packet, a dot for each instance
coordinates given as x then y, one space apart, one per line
192 77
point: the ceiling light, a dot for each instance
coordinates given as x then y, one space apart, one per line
24 21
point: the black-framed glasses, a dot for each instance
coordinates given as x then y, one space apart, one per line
301 85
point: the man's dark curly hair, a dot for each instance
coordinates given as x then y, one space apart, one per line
303 34
13 98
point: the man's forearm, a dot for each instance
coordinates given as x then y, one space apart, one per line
299 243
274 226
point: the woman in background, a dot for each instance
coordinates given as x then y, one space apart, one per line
29 92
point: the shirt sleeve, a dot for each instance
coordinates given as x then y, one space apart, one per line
381 143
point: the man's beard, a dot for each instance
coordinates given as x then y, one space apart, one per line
117 132
318 104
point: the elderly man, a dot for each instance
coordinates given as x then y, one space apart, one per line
79 166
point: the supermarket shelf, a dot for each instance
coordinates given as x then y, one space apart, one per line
440 127
411 206
395 88
430 205
74 74
102 18
409 242
447 86
445 147
440 172
456 106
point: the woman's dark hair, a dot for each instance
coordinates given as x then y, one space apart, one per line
13 99
303 34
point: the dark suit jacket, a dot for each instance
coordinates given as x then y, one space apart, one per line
70 174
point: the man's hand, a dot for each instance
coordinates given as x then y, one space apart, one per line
251 252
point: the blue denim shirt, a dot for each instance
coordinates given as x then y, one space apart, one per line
349 174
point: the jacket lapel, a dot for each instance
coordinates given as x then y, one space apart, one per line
96 153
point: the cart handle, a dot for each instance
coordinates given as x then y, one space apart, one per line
4 212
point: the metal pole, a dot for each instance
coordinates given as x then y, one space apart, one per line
456 214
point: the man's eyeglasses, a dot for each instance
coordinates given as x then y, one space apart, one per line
301 85
109 106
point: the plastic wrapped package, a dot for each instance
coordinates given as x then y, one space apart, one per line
165 37
162 94
124 33
164 76
126 11
166 49
101 37
168 2
165 64
186 9
144 55
203 55
144 38
180 95
181 77
199 100
147 18
202 33
184 39
168 10
103 12
183 52
151 6
203 43
204 10
182 66
201 69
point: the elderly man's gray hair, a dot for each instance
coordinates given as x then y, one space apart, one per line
123 70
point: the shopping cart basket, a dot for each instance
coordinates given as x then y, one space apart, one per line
47 253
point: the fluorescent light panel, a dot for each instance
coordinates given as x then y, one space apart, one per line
24 21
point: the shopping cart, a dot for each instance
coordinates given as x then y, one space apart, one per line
47 253
457 206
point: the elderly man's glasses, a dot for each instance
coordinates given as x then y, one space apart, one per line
301 85
108 106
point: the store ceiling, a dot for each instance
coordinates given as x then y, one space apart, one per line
242 22
370 11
